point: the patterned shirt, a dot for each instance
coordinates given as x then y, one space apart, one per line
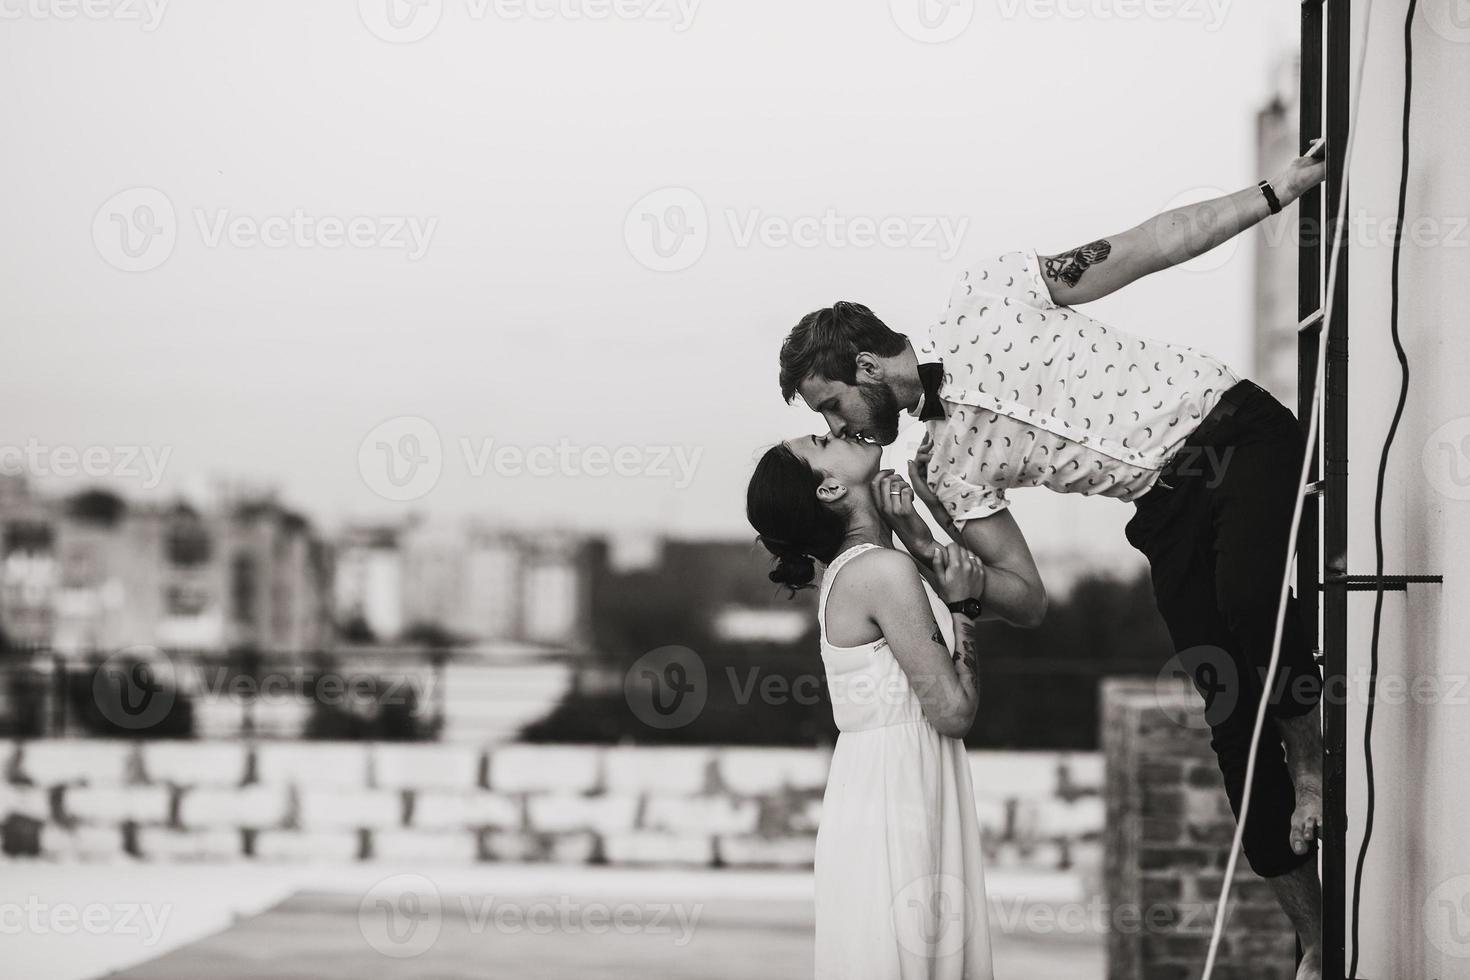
1037 394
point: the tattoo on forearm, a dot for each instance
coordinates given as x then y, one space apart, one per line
965 645
1070 266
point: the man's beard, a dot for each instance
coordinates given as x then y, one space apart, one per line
882 407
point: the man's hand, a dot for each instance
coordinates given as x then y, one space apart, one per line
960 572
1302 174
919 475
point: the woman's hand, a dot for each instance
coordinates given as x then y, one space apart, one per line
960 572
895 500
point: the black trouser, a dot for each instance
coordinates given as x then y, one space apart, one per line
1214 529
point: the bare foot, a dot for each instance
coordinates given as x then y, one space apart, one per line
1306 819
1311 966
1303 741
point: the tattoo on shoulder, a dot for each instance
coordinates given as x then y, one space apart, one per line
1069 267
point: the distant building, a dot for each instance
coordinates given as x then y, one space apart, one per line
279 574
368 591
1278 139
470 582
93 572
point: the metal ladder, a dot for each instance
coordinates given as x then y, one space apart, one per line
1322 578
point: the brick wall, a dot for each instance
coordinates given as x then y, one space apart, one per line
1169 831
302 801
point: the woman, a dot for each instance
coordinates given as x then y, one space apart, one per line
900 881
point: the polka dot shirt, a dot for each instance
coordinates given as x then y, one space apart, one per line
1038 394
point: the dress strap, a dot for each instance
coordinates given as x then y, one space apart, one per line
828 577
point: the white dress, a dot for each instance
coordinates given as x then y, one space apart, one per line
900 878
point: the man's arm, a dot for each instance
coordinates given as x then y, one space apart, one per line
1108 264
1012 589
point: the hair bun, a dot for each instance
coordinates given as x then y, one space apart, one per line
794 571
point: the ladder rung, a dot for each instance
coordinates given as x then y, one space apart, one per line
1314 488
1387 583
1310 323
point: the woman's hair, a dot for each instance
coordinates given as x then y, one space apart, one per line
798 529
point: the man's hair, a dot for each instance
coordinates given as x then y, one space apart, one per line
826 344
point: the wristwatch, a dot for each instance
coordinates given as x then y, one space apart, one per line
966 607
1272 201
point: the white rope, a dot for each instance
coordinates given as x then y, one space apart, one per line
1306 474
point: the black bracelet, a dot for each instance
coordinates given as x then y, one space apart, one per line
1272 201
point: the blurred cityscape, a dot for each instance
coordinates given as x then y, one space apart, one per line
459 633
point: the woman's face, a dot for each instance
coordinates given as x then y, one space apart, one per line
850 462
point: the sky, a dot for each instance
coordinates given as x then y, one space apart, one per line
532 260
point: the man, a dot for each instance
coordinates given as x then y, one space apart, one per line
1018 389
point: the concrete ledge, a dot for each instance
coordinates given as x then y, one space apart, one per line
447 811
460 847
95 762
685 806
707 814
308 846
562 812
753 772
257 807
85 843
427 766
315 764
196 763
164 844
798 851
544 768
673 771
651 847
118 804
327 809
25 801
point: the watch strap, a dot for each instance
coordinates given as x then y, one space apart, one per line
1272 201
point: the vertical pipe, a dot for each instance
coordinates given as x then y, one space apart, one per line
1338 87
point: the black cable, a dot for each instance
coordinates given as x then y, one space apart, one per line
1393 428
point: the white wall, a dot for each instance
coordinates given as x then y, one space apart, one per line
1415 910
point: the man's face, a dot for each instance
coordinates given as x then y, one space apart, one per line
866 410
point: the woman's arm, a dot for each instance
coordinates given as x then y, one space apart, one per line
888 586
